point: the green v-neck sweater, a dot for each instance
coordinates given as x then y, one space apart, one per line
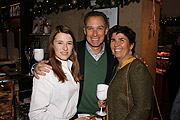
94 74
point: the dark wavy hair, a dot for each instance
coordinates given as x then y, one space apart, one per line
128 32
56 64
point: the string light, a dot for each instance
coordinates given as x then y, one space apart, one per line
74 2
170 20
112 2
64 5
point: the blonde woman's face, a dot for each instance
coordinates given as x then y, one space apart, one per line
63 45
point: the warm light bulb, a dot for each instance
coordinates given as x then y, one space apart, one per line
74 2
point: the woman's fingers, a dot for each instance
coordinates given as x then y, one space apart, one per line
101 104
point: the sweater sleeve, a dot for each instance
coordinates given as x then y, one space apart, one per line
40 99
141 88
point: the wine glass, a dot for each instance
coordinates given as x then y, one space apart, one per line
38 54
28 54
102 95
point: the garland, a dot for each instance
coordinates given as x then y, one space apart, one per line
50 6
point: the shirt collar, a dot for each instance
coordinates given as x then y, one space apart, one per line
96 57
66 63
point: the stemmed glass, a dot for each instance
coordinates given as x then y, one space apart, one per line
38 54
102 95
28 54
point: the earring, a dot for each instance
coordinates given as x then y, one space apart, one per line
130 52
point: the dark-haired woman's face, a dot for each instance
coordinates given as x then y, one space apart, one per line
63 45
120 46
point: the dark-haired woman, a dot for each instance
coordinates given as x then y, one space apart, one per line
130 92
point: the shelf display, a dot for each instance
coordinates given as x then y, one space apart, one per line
169 33
14 10
41 25
15 93
10 15
23 111
6 99
162 61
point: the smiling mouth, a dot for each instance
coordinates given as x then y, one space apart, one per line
64 53
95 39
117 50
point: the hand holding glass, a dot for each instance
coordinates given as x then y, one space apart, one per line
102 95
38 54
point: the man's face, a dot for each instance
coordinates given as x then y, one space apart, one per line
95 31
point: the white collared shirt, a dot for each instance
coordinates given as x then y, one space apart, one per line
96 57
52 99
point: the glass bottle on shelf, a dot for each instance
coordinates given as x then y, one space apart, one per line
14 10
11 11
18 10
36 43
28 53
